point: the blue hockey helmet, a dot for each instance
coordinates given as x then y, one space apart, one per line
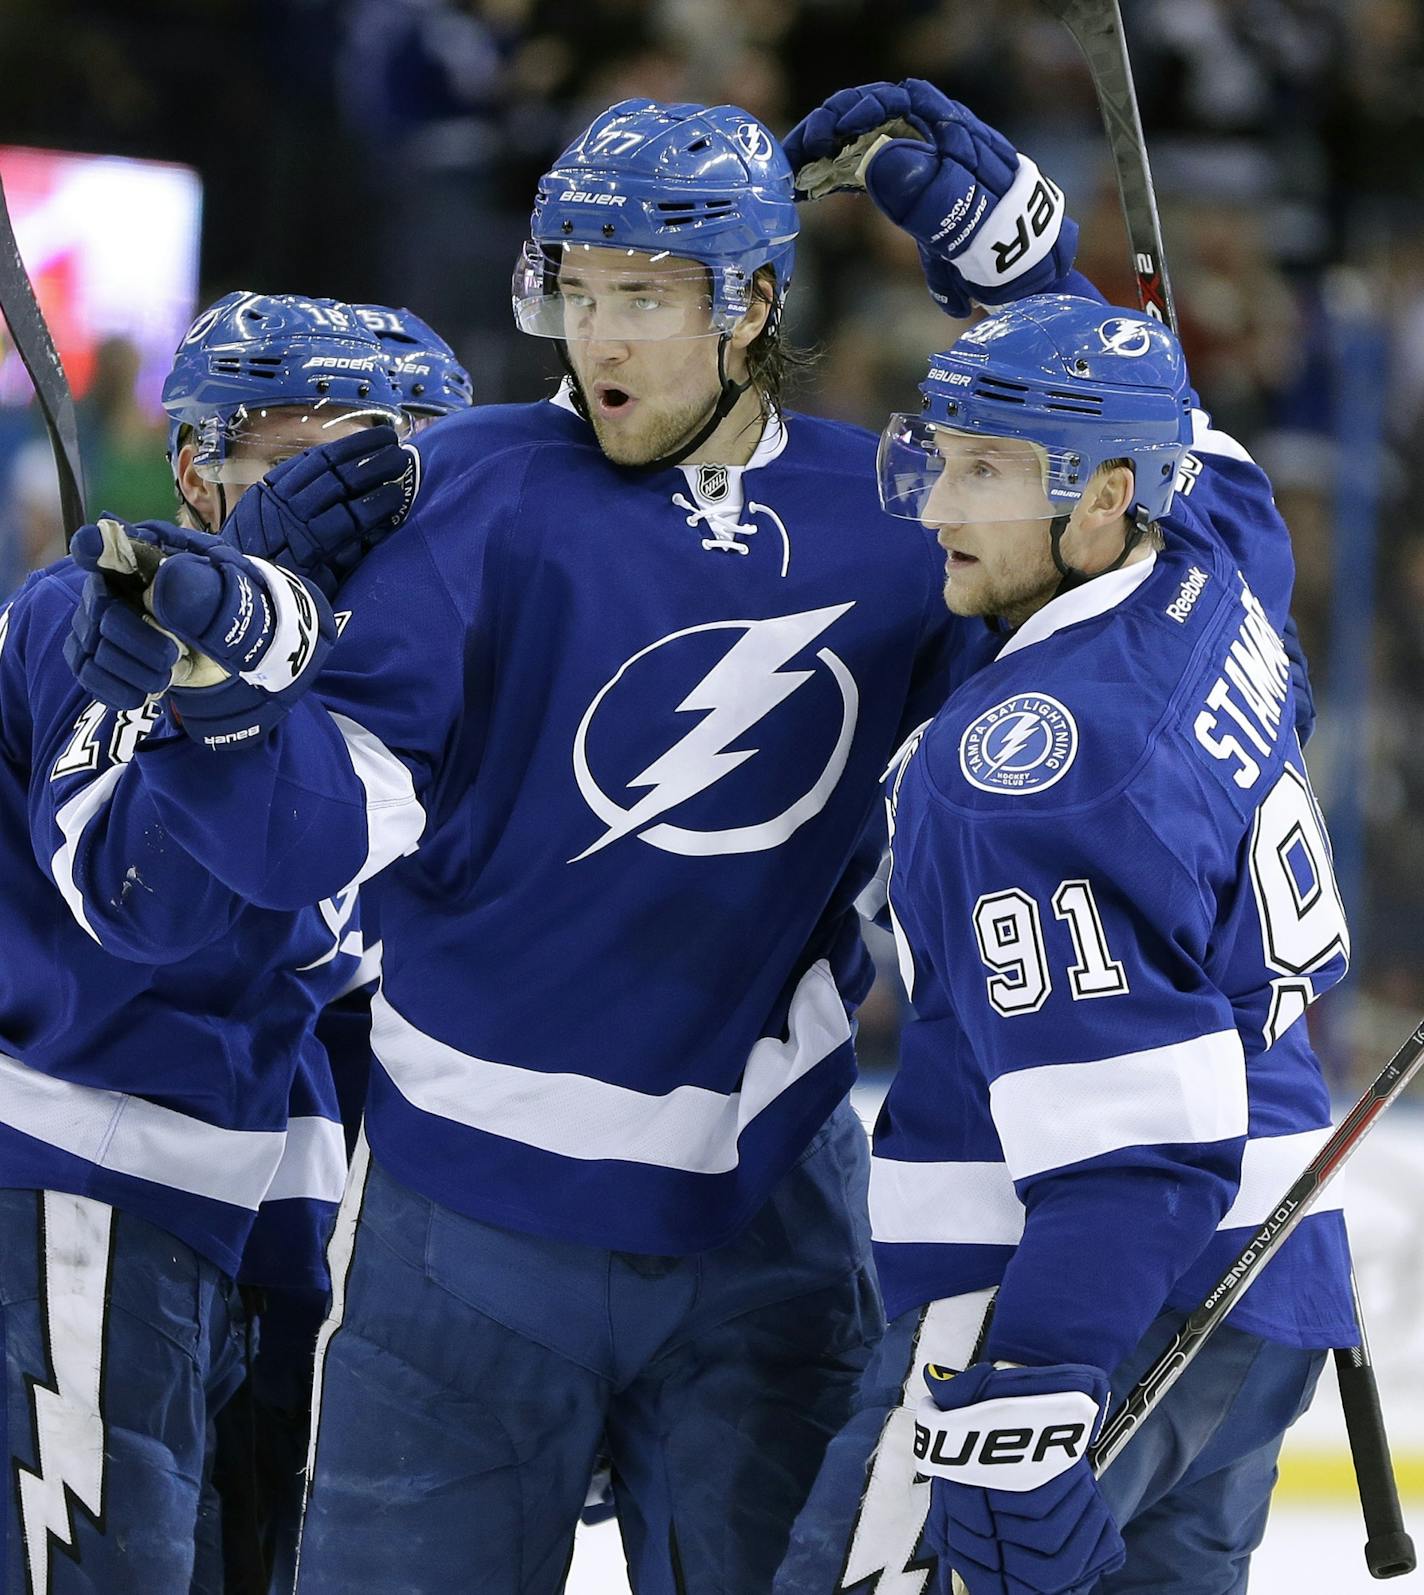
707 184
428 375
1085 382
248 354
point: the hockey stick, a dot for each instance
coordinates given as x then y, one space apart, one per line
1393 1551
1096 26
36 348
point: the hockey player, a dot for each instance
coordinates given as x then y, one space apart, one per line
266 1426
1112 894
425 369
146 1088
610 714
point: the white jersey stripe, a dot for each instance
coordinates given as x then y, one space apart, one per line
689 1128
395 818
975 1204
313 1166
1063 1113
72 820
128 1135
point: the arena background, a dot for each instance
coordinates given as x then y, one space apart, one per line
387 150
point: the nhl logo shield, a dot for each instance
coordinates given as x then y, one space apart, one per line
712 483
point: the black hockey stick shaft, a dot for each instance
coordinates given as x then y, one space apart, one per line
1267 1241
1096 25
1389 1551
31 337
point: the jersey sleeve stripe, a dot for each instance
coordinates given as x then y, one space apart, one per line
975 1204
1054 1115
1269 1167
689 1128
129 1135
965 1204
313 1164
72 819
395 818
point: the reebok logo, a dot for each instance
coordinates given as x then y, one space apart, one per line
1187 594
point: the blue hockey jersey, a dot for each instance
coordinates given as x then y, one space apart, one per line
1112 893
156 1049
618 737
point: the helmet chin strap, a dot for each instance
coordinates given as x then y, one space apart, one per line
729 392
1072 577
192 508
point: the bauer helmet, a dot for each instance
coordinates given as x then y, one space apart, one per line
1083 381
249 354
430 379
705 184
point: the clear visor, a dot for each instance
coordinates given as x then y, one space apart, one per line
240 449
932 473
586 294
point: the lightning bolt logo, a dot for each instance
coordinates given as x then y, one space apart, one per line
745 685
1015 739
76 1247
1027 743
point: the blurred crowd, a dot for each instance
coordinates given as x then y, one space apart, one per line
388 149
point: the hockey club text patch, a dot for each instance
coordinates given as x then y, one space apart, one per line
1023 744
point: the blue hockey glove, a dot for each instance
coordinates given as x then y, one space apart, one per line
119 657
319 513
989 226
243 640
1300 680
1014 1507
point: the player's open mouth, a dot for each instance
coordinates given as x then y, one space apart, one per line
612 400
954 560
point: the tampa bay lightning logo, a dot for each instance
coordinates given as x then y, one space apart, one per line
754 140
1127 338
1024 744
742 688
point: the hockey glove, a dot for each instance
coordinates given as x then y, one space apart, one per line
319 513
242 640
1014 1507
1300 680
989 226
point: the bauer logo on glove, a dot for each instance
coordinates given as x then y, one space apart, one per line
1010 1442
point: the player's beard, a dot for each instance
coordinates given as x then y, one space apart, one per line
658 431
1011 592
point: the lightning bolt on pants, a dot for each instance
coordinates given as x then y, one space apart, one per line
119 1344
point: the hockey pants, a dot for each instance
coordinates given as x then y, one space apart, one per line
468 1375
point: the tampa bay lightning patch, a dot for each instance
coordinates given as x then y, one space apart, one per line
1023 744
